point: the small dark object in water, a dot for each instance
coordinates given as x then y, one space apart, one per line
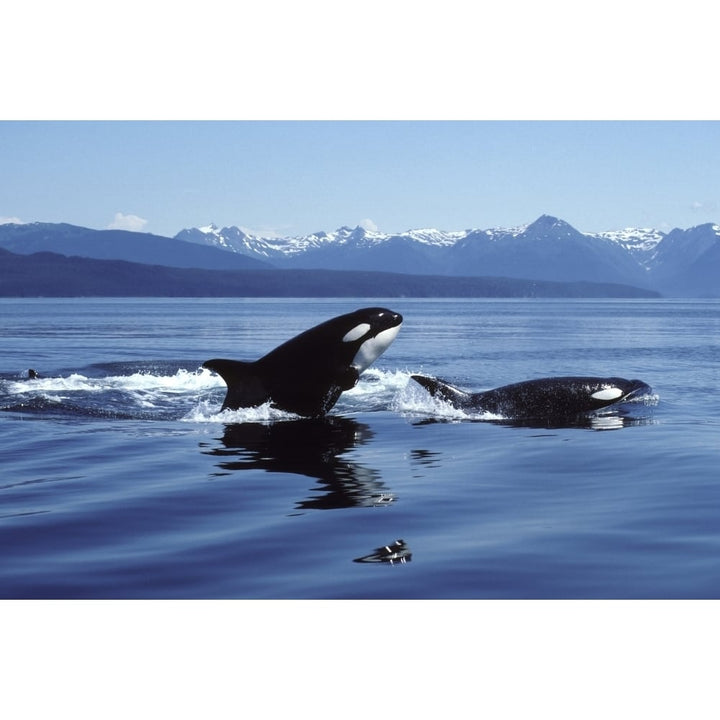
396 552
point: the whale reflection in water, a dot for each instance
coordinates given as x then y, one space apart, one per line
312 447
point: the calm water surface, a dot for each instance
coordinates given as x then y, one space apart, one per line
122 479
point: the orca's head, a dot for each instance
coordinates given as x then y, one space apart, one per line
368 333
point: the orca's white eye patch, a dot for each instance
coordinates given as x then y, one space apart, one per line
356 333
609 393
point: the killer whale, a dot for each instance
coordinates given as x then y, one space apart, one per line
541 398
307 374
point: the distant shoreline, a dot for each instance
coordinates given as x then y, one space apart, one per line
51 275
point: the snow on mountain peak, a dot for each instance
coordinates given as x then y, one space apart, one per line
634 239
640 242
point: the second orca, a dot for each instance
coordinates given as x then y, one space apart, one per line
542 398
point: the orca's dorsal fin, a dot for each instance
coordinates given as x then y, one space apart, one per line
448 393
245 388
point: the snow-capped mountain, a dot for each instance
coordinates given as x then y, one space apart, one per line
547 249
639 242
237 240
416 251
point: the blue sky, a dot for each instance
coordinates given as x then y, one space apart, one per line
295 177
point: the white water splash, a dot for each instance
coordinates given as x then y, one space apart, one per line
144 391
183 381
650 400
209 412
415 401
375 383
394 390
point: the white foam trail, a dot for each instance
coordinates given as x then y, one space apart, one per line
72 383
207 412
183 381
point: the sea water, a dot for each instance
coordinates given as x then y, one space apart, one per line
120 477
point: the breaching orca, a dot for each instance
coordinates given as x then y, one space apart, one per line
543 398
307 374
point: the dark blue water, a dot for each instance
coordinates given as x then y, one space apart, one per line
120 478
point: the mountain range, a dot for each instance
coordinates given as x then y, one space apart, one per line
549 250
679 262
